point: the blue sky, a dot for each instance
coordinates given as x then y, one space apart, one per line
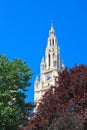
24 28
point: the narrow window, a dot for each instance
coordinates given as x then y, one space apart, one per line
50 42
49 59
53 42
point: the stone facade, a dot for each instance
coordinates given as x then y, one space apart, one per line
49 68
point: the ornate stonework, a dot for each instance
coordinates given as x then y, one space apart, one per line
49 67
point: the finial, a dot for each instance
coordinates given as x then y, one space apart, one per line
52 28
42 59
52 23
62 64
37 78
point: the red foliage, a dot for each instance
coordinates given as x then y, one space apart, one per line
69 96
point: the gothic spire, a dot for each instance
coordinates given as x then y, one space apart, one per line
52 29
43 61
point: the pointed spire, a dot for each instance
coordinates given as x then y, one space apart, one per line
62 65
37 80
52 29
42 62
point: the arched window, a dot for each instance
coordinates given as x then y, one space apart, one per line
49 60
53 42
50 42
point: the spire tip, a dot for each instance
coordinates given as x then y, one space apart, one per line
52 23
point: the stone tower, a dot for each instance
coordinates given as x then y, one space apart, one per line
49 68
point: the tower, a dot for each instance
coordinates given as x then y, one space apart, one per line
49 68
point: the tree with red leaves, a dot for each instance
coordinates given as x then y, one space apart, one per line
63 107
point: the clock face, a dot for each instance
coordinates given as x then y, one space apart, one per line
48 77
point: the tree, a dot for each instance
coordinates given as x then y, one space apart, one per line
14 82
65 104
70 121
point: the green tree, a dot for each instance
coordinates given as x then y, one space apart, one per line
14 82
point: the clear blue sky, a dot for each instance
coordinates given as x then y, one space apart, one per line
24 27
